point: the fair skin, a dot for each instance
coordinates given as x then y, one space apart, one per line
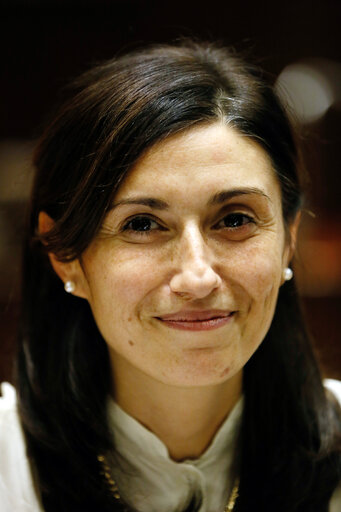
211 242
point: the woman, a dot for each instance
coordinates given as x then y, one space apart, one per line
174 372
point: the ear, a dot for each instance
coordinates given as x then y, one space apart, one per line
293 229
291 245
65 270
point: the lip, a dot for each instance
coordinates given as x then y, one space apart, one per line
197 320
192 315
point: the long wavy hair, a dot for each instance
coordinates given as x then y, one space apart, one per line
289 456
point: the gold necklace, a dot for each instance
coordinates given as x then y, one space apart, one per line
112 485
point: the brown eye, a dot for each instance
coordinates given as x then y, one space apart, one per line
141 224
235 221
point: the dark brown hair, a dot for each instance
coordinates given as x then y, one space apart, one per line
287 455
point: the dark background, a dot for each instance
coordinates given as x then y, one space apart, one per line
43 44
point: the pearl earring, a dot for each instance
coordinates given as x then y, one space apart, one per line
287 274
69 286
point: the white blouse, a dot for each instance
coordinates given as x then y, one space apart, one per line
152 473
156 483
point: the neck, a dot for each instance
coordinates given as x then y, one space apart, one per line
184 418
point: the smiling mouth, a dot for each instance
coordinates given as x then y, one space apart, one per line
197 321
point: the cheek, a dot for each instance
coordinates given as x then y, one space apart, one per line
257 269
263 289
119 285
263 280
257 276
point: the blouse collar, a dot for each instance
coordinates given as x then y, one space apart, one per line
150 481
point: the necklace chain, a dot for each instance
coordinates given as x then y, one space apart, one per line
112 485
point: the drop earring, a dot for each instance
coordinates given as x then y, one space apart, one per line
287 274
69 286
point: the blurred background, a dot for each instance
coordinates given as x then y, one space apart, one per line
45 43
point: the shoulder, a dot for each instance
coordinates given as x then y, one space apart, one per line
335 503
16 484
11 438
335 387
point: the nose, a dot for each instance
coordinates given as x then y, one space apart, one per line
195 277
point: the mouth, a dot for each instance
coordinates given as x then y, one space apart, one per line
197 320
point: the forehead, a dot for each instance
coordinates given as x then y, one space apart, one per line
201 161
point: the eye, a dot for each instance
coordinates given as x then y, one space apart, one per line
233 221
141 224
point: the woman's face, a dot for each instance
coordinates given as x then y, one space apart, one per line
183 277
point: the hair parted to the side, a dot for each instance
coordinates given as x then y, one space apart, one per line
288 456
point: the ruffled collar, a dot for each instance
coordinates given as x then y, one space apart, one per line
150 481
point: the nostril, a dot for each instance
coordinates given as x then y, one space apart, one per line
184 295
189 284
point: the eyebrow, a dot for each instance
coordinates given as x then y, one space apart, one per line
216 199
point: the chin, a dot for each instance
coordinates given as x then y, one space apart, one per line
199 374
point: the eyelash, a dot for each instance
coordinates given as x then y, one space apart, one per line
141 217
238 216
